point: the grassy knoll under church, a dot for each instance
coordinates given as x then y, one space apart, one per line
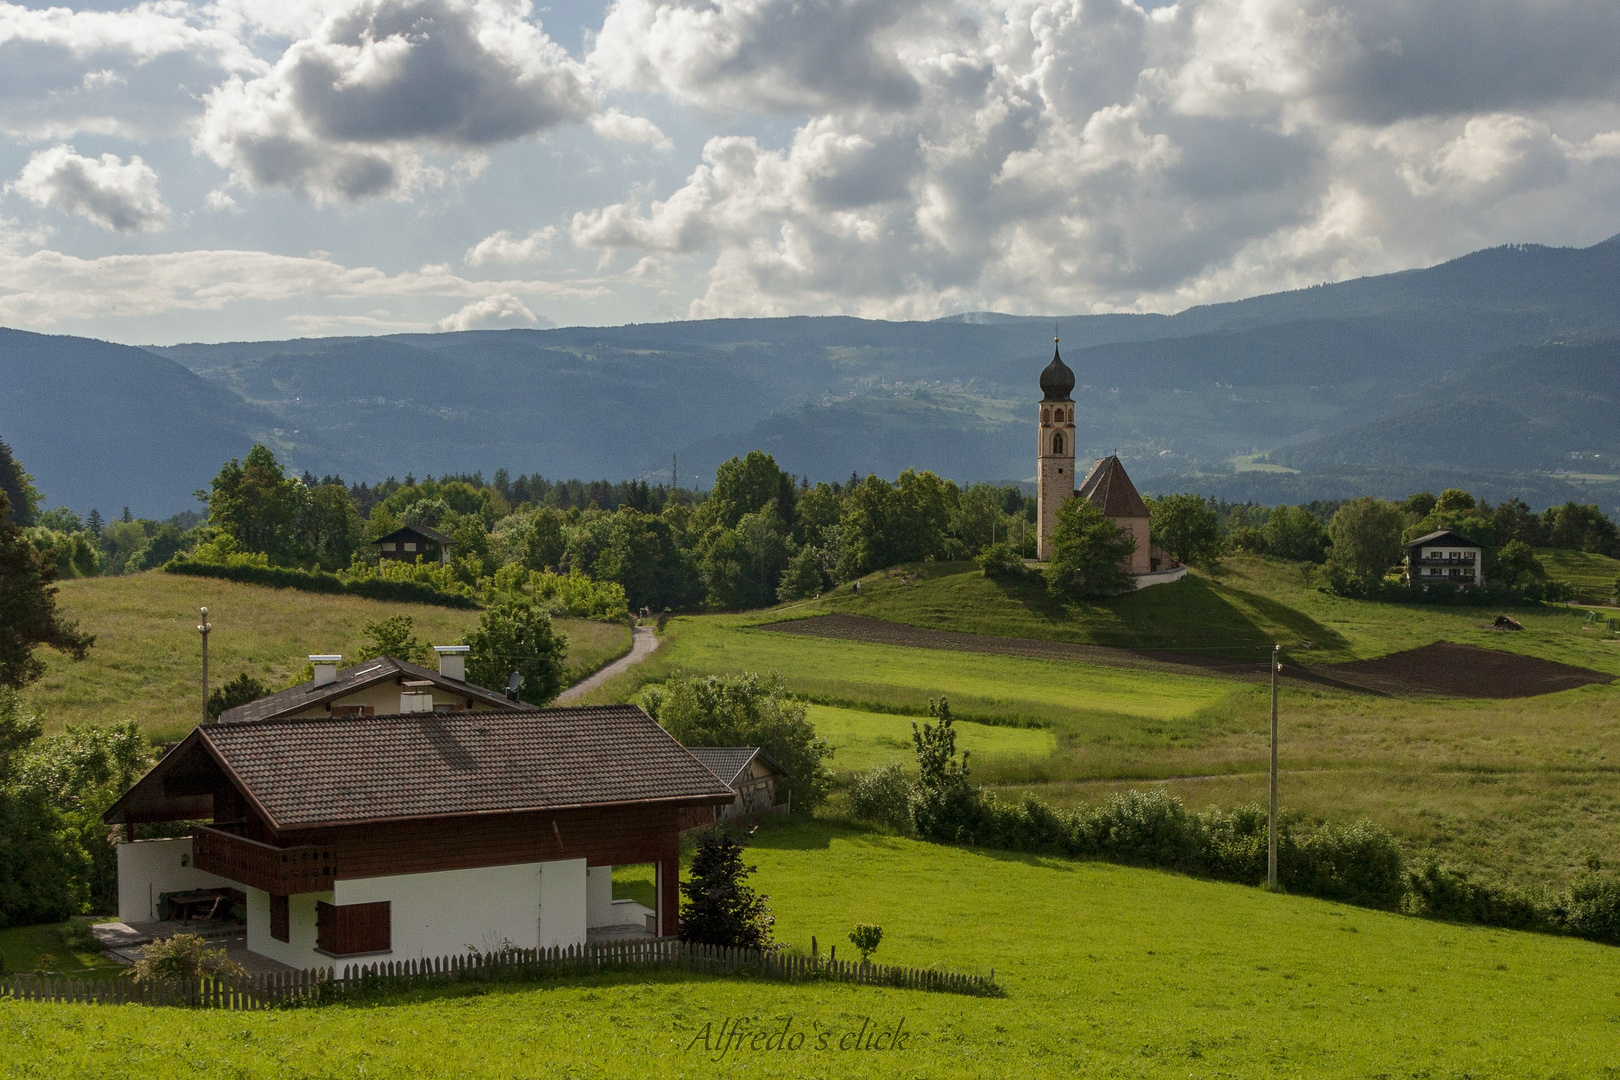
1524 789
145 663
1110 972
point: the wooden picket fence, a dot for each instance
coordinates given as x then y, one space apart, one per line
321 985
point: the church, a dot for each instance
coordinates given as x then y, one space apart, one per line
1105 484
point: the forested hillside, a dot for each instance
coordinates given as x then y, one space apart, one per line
1408 371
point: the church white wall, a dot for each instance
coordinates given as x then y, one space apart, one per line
149 868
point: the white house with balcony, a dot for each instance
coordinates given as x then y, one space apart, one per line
1444 556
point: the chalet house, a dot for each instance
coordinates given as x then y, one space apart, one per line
1444 556
749 772
420 834
413 542
376 687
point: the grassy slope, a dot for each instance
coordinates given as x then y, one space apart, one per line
1110 972
861 740
145 663
1523 788
1592 575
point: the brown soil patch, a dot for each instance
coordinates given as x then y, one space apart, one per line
1467 671
1439 670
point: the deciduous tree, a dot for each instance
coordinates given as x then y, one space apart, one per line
1087 550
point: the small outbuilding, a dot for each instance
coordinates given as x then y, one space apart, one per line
749 772
415 542
1444 556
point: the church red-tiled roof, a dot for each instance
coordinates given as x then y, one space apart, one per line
1111 491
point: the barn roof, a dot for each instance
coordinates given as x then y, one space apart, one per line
1111 490
352 679
365 769
728 762
416 530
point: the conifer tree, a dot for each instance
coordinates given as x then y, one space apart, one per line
721 908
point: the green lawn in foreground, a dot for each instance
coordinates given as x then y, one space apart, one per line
1110 972
862 740
146 662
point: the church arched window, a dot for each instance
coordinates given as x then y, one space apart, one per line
1046 416
1057 443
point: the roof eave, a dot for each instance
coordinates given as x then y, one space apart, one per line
714 798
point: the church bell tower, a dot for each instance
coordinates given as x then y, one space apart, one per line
1055 454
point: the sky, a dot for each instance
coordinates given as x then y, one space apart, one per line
252 169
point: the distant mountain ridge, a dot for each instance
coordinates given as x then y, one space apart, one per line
1336 379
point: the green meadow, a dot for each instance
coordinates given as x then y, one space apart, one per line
862 740
144 665
1524 789
1109 972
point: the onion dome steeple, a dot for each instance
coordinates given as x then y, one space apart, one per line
1057 381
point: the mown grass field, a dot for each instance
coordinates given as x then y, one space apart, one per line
862 740
1592 575
1110 972
145 664
1524 789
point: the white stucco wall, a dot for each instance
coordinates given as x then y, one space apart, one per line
299 949
149 868
600 907
528 905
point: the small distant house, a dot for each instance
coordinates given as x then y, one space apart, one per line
417 835
376 688
415 541
1444 556
749 772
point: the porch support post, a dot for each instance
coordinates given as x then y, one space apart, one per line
669 894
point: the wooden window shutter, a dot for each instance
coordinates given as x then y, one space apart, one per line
280 918
350 929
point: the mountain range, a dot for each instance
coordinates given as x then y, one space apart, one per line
1499 370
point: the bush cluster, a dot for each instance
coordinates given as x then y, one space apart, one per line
318 581
1357 864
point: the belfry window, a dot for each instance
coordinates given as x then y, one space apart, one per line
1046 416
1057 443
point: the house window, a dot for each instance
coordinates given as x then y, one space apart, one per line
280 918
410 545
352 929
390 546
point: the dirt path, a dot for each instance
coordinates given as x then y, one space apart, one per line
1439 670
642 643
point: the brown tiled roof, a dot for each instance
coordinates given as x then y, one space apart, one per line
348 770
351 679
1111 491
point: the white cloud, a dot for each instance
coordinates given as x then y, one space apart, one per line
117 195
502 311
132 73
503 247
348 109
621 127
44 288
1032 155
780 55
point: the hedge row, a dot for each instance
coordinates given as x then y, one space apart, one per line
317 581
1359 864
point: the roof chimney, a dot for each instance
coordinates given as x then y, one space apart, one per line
453 661
325 668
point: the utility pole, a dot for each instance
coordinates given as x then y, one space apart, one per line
1271 830
674 473
203 629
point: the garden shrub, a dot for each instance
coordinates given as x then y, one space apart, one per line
1359 864
883 795
183 956
1439 891
720 907
1592 909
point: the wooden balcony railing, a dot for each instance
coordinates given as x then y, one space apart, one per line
282 870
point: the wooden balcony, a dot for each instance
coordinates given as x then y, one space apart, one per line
281 870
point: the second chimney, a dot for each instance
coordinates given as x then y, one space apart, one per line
325 668
453 661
